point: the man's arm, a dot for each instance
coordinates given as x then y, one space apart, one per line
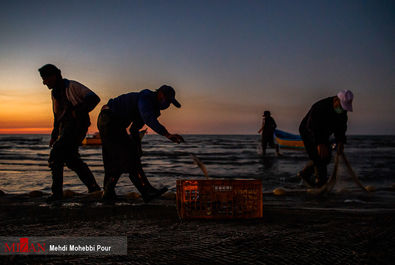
55 129
263 125
82 98
147 113
88 103
55 132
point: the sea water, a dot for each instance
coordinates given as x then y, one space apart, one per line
24 166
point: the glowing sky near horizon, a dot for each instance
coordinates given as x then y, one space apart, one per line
228 60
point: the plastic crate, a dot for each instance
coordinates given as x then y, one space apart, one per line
219 199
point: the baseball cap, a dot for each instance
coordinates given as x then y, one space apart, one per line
346 97
170 94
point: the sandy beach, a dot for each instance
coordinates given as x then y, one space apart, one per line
294 229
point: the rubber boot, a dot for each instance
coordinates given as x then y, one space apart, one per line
109 188
321 175
145 188
306 174
150 188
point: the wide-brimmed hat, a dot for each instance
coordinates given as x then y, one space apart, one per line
170 95
346 97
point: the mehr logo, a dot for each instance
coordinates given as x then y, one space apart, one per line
23 246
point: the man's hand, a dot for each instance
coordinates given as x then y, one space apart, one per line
51 142
175 138
340 148
323 151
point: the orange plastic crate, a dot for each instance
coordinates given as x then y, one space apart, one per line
218 198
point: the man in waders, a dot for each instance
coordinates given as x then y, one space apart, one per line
326 117
121 151
71 103
267 130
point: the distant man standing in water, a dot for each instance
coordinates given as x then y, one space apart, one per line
71 103
121 151
326 117
267 130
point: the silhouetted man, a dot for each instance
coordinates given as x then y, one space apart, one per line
122 152
326 117
72 103
267 129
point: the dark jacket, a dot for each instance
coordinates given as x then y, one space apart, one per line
138 108
268 127
72 96
321 121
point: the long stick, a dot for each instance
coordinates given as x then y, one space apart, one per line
352 173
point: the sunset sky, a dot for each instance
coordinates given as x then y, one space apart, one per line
228 60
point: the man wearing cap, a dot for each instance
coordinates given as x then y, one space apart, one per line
71 103
122 152
267 130
326 117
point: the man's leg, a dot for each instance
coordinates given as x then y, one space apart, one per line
110 177
306 174
274 145
73 159
264 145
113 143
56 163
57 176
112 171
109 188
321 174
73 132
140 180
104 126
277 147
320 169
75 163
147 191
107 177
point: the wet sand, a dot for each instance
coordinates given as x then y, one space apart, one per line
336 229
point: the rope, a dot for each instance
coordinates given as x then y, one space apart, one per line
331 182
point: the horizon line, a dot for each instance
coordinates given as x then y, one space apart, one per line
354 134
47 131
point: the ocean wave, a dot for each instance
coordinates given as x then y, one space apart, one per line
23 161
21 140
